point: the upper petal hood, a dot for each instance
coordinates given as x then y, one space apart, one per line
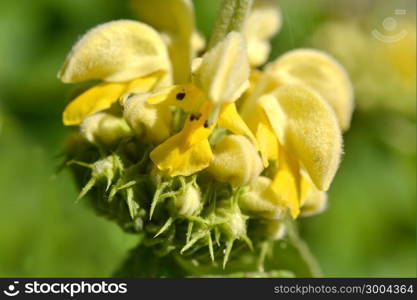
223 74
116 51
321 72
176 20
311 132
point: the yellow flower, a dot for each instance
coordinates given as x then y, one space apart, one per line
175 20
132 60
127 56
297 108
236 161
304 130
293 112
221 76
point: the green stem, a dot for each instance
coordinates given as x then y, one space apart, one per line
304 251
232 16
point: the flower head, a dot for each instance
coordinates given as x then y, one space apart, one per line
200 149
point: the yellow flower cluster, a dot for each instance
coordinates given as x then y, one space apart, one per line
280 126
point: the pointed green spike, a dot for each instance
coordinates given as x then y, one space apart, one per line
193 241
167 224
197 220
156 197
79 163
189 231
167 195
127 185
86 188
217 236
117 187
109 180
229 246
112 193
131 203
247 241
210 246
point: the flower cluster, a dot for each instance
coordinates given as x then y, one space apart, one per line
198 148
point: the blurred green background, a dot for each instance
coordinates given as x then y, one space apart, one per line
369 227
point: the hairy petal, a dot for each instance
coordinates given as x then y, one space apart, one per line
152 122
321 72
261 200
236 161
311 132
223 73
116 51
175 18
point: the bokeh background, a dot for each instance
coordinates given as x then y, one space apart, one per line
369 228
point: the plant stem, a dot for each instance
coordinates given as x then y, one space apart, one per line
304 250
232 17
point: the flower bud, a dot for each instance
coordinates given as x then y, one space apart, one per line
261 200
102 171
189 202
147 120
104 168
104 129
236 161
234 225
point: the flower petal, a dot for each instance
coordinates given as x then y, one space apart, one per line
312 200
274 113
321 72
261 200
143 84
153 122
263 22
230 119
104 128
175 160
102 96
175 18
97 98
267 140
311 132
187 97
223 74
188 151
116 51
286 182
236 161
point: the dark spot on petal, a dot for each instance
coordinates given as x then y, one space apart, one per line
180 96
206 124
196 117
